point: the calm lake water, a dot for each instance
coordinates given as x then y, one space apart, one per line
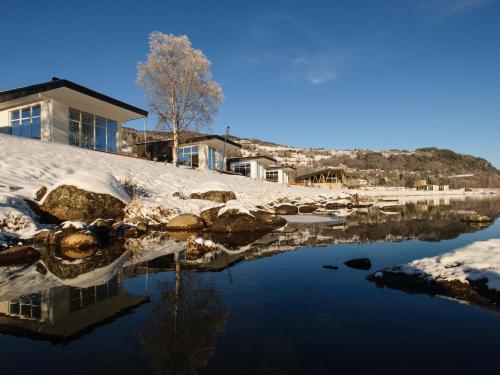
266 305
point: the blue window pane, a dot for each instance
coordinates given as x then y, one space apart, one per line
25 112
16 128
100 134
14 115
111 136
36 127
35 110
25 128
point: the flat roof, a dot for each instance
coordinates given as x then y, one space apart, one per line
245 158
206 137
56 83
281 167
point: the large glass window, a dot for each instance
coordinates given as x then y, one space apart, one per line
100 133
212 161
26 122
243 168
111 135
272 176
90 131
188 156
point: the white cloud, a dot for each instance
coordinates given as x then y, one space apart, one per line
317 69
445 8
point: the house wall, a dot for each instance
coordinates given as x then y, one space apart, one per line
54 119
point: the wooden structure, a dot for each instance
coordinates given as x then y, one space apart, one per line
329 178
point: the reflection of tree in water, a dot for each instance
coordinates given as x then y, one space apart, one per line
183 325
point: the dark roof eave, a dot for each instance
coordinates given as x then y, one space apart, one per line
252 158
194 139
58 83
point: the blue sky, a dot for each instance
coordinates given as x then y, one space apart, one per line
333 74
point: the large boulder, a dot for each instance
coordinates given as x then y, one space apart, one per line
79 240
359 263
18 255
307 209
210 215
286 209
219 196
68 202
186 222
235 221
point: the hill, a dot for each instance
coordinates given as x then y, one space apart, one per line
381 168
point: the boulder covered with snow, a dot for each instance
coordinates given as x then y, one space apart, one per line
234 220
286 209
471 273
218 196
186 222
86 197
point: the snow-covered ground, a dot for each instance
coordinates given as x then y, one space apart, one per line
478 260
26 165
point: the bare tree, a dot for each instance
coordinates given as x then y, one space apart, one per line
179 85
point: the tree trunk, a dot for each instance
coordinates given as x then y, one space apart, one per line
175 128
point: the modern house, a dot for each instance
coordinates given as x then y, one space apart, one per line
201 152
329 178
64 112
260 168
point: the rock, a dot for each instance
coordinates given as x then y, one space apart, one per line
235 221
330 267
42 237
79 240
306 209
68 202
186 222
214 196
18 255
359 263
286 209
477 218
210 215
41 269
78 253
134 231
334 205
195 247
40 193
102 228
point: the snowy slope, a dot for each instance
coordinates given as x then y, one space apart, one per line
26 165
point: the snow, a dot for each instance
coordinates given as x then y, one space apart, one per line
29 164
478 260
95 181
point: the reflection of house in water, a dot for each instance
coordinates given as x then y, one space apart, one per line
64 313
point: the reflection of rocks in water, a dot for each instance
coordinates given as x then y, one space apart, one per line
69 270
181 333
426 221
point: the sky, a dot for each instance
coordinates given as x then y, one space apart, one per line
335 74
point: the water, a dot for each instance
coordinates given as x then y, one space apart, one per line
263 307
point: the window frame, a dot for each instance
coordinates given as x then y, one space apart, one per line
274 173
21 118
93 133
239 166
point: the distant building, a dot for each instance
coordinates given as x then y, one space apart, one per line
260 168
201 152
64 112
330 178
420 184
